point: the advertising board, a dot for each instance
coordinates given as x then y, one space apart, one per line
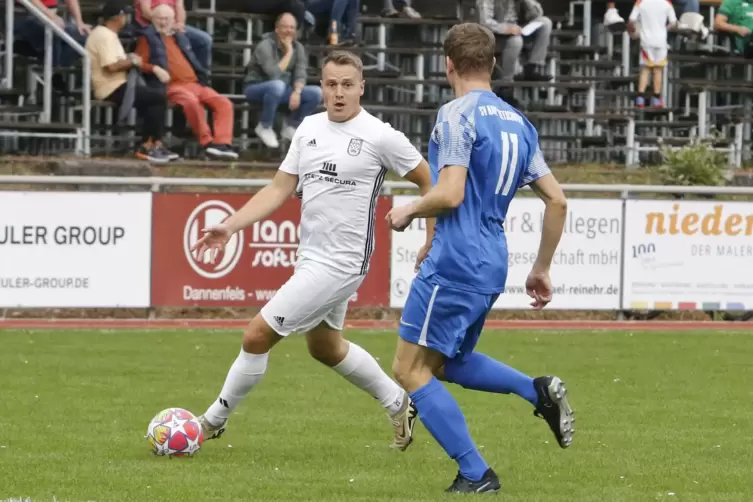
256 261
75 249
585 271
688 255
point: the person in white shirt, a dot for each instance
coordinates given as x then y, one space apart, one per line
653 17
336 164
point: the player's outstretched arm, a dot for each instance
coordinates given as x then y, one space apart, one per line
454 136
258 207
446 195
264 203
538 285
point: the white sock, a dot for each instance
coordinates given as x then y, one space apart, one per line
362 370
244 374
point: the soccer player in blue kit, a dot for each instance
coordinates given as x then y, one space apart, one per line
481 151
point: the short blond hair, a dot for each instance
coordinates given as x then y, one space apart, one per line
344 58
470 47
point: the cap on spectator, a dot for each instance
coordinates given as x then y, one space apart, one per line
113 8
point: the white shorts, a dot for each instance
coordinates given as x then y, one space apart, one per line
316 292
653 57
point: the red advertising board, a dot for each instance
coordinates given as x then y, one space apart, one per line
255 263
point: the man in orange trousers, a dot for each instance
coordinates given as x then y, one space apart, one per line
168 59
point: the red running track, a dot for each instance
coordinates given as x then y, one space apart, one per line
374 325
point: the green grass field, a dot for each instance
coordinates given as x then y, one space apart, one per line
660 416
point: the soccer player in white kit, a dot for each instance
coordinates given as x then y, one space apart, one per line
336 164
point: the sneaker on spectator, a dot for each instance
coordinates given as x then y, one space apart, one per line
287 132
657 102
691 24
410 13
220 151
533 73
150 152
613 21
267 136
166 151
348 41
406 12
640 102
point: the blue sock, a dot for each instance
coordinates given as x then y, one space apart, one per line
442 417
480 372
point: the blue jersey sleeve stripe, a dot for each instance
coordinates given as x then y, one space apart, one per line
537 168
457 132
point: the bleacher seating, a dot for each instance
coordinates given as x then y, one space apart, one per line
585 114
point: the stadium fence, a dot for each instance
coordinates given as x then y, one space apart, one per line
129 247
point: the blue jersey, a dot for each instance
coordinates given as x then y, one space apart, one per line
500 148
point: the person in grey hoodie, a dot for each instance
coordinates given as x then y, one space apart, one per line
277 74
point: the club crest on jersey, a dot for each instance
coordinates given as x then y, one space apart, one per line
354 147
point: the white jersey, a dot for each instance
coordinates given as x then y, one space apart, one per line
653 15
340 169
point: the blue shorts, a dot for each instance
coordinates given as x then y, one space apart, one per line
444 319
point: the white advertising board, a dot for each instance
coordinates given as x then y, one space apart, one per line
687 255
586 269
66 249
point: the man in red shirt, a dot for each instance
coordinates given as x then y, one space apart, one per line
201 42
169 60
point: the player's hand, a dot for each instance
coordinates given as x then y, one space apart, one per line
512 30
743 31
214 240
539 287
399 218
422 253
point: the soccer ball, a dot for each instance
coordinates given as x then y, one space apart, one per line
174 432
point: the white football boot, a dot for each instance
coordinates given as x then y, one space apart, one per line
402 423
211 431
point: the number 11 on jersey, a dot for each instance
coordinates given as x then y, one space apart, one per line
509 162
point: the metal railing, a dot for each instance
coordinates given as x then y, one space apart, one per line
8 80
156 183
50 29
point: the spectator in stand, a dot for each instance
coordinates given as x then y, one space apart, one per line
736 18
297 8
504 18
29 29
113 79
168 60
653 16
612 18
343 18
399 8
201 42
277 74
